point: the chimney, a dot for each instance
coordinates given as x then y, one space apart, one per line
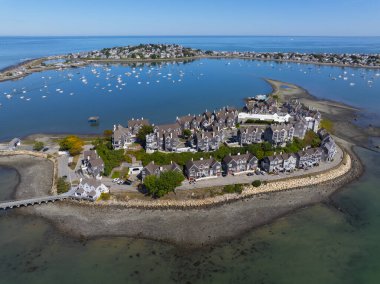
238 154
281 153
201 159
161 168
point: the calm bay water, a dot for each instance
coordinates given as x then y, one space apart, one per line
319 244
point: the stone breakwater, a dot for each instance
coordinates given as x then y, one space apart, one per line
249 191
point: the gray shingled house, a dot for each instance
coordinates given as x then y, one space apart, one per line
240 163
203 168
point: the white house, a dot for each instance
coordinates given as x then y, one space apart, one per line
91 189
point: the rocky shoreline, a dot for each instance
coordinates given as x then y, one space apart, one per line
205 223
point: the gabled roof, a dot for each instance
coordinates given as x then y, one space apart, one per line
134 122
207 163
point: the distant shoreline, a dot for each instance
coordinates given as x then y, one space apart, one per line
85 62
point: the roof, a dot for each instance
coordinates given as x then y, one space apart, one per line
206 163
152 167
247 157
134 122
97 162
91 182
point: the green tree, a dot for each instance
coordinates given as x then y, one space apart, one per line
143 132
38 146
165 183
186 133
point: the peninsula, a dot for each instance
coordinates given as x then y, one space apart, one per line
273 178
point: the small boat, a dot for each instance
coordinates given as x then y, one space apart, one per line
93 119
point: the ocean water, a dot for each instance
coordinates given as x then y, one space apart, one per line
319 244
61 101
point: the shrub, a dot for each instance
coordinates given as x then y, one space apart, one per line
62 185
38 146
256 183
233 188
105 196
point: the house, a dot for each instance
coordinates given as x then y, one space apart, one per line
136 124
273 163
164 138
240 163
329 147
185 121
122 137
208 141
251 135
309 158
15 142
279 134
92 164
209 168
289 162
153 169
90 189
300 128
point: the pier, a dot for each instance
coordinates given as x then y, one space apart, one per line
37 201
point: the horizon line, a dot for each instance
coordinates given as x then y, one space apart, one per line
193 35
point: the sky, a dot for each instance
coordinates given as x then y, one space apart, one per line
190 17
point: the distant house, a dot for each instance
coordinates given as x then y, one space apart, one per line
91 189
122 137
153 169
279 134
15 142
186 121
164 138
208 168
136 124
208 141
92 164
251 135
240 163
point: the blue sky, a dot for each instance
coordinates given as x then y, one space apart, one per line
190 17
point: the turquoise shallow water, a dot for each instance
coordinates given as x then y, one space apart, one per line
319 244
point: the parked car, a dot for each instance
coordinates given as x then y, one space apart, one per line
250 174
115 180
128 182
